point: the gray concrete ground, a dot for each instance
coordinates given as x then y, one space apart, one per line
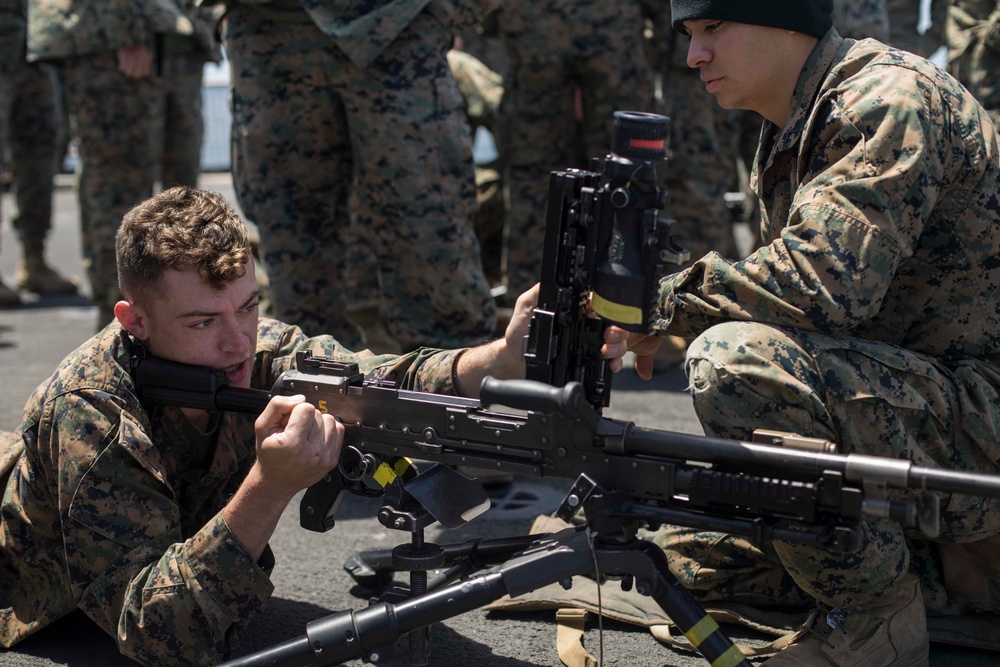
309 579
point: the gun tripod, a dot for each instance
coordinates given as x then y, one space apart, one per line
518 565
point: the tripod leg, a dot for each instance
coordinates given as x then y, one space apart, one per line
360 634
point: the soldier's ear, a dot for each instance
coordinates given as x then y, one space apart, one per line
133 319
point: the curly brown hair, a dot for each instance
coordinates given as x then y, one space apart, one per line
180 228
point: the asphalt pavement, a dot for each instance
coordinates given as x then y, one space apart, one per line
310 582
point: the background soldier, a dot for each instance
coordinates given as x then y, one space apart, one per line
106 50
28 136
344 109
179 126
572 64
973 36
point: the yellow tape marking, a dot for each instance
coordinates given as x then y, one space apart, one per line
615 312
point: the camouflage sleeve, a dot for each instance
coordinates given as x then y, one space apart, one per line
867 180
424 369
165 599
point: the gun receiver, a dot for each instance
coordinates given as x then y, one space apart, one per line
762 491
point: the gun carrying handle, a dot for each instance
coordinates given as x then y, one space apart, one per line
530 395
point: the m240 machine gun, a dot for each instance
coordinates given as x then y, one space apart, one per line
781 487
606 243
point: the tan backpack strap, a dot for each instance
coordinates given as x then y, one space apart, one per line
570 624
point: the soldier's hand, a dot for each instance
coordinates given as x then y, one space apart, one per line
618 341
520 319
135 62
296 444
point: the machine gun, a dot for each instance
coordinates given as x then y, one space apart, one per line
781 487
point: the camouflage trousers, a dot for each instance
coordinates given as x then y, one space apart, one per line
537 135
111 118
28 134
317 139
178 128
870 398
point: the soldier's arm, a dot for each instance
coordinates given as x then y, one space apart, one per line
166 597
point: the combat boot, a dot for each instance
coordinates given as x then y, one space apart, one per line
8 297
890 631
34 275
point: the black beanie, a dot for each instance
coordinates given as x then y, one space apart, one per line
812 17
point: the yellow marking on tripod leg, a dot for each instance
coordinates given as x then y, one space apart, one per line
700 631
734 656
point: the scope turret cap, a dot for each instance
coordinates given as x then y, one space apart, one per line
812 17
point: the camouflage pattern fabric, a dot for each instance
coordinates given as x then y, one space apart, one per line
116 509
482 90
904 25
111 117
860 19
110 114
973 36
871 317
311 130
179 127
28 127
556 48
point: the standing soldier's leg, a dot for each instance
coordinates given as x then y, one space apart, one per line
417 191
8 297
292 165
33 145
537 134
183 126
111 119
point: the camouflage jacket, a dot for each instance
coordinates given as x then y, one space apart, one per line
880 215
59 29
115 509
363 29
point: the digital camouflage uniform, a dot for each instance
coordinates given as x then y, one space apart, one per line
907 31
557 47
870 317
28 127
481 89
179 127
110 114
343 108
973 35
860 19
116 509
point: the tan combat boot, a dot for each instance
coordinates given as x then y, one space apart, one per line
34 275
890 631
8 297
